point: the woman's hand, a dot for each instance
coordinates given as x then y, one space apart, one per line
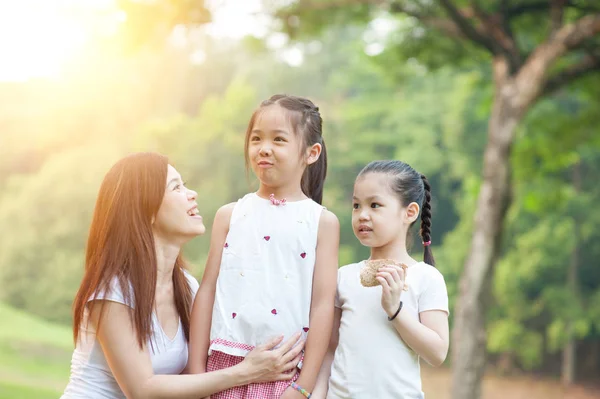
265 364
391 278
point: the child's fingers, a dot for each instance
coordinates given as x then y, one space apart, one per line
396 272
388 277
384 284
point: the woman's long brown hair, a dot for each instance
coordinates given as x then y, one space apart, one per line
121 245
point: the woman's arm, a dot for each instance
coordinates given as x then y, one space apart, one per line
429 337
132 367
202 309
322 301
322 385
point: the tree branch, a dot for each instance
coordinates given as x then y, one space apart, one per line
557 9
469 30
588 65
504 6
531 79
544 6
444 25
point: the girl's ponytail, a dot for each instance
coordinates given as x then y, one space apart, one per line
426 223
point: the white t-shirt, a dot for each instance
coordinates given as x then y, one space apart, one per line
372 360
91 377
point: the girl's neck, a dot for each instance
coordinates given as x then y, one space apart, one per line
395 252
291 194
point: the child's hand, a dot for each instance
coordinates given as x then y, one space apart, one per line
391 279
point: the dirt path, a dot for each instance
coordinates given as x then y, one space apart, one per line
437 382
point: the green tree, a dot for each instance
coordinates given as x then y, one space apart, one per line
534 49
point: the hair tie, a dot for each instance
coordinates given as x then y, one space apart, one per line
426 243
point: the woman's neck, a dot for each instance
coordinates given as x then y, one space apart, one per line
166 255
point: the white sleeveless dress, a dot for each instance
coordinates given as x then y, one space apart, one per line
264 286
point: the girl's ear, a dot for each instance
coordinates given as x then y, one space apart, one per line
313 153
412 212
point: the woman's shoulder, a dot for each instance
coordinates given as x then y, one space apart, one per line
113 291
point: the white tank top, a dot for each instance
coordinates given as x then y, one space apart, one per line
264 287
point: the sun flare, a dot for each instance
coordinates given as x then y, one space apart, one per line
37 37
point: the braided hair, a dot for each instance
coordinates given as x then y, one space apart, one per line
410 186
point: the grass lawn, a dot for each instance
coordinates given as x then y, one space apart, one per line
35 356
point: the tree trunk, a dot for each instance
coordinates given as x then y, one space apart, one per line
469 336
569 351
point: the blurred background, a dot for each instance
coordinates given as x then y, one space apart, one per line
85 82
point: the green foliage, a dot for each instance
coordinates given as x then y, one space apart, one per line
46 217
374 107
33 353
10 390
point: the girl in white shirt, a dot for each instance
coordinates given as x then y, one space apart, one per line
381 332
132 310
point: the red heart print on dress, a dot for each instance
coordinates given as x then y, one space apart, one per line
274 311
267 238
303 255
305 329
226 245
233 315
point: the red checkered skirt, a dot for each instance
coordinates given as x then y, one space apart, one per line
266 390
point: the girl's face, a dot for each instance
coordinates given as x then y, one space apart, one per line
274 149
378 217
178 218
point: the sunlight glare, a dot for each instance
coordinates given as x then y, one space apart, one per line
37 37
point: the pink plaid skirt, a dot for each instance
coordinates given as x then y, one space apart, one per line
267 390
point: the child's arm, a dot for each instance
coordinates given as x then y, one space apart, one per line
429 338
322 385
203 304
322 302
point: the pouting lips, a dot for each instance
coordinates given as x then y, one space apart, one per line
264 164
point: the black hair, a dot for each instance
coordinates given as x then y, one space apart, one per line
410 186
306 121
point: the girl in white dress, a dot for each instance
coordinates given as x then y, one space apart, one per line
272 263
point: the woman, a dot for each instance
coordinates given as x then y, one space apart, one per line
132 311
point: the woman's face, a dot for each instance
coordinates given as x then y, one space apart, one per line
178 218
